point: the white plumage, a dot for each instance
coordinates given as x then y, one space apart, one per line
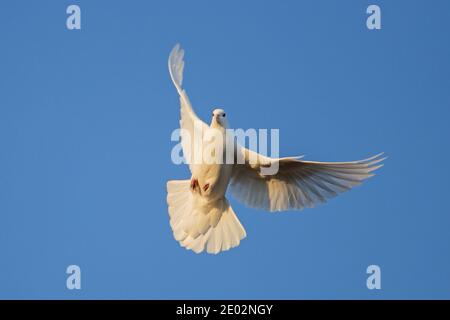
200 215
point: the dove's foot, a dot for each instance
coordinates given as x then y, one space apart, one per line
206 187
194 184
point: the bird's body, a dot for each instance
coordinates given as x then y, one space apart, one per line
201 216
213 178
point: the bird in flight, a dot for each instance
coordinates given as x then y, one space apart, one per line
201 216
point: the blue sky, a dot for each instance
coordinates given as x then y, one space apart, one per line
85 124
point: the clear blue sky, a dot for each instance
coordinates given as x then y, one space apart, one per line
85 124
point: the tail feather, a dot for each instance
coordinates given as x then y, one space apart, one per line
198 225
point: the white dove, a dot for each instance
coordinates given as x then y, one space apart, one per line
201 216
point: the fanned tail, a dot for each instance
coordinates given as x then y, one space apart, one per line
198 225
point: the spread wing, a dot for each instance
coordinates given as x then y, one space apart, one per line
298 184
191 126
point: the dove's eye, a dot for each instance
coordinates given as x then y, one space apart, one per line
224 115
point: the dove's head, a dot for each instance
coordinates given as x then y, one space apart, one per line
219 118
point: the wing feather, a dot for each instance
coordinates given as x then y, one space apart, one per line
298 184
191 126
